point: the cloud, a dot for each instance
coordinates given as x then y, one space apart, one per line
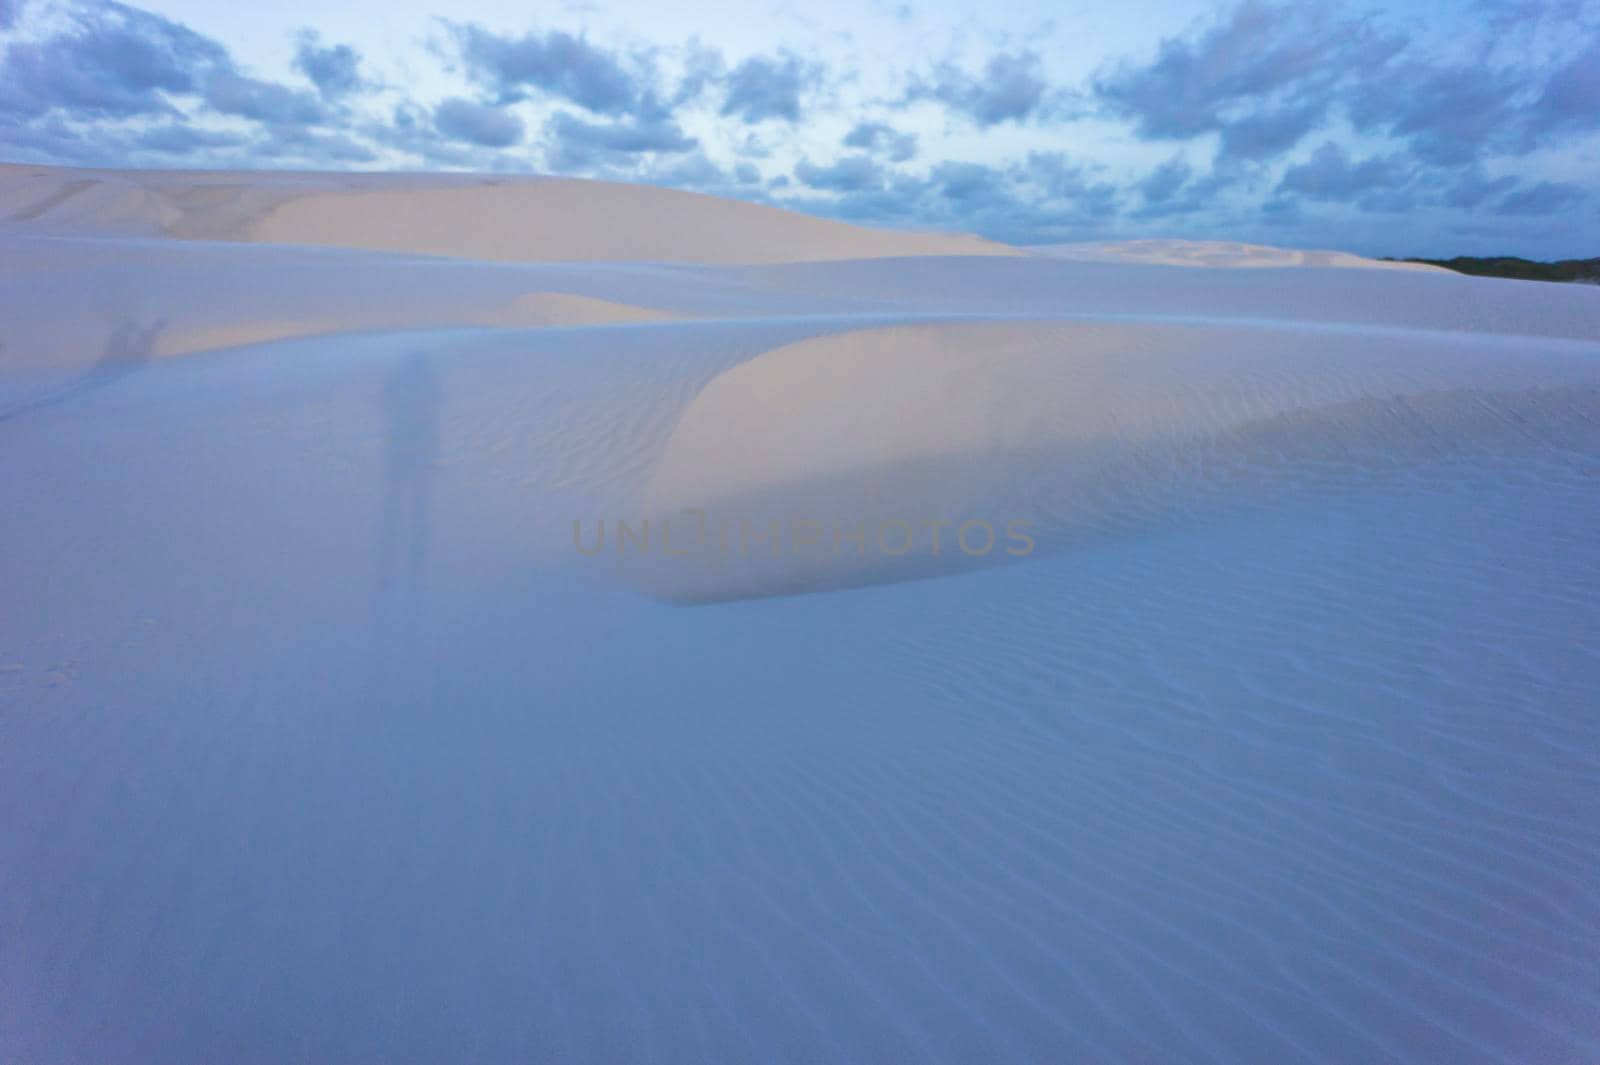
1045 196
965 181
473 123
764 87
752 147
1543 198
335 71
298 144
111 61
1474 187
1399 124
878 137
1268 134
87 92
1164 182
1010 88
1449 115
1330 175
702 68
411 129
853 173
581 145
1261 76
555 63
679 170
692 171
1256 53
1570 101
1264 76
263 101
1064 182
181 138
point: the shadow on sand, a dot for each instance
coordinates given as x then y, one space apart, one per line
129 347
411 401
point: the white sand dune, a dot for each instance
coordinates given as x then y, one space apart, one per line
1072 428
321 740
518 219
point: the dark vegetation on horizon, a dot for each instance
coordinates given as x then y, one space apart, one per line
1522 269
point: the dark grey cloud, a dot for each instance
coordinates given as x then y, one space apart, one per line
1543 198
109 61
1288 58
181 138
411 129
577 144
556 63
1449 115
881 138
1331 175
691 171
1066 183
1570 100
1011 87
1473 187
965 182
1046 196
335 70
853 173
475 123
1269 133
264 101
1164 182
55 140
52 139
110 84
297 145
764 87
1454 114
1263 77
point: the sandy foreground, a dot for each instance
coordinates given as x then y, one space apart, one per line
340 720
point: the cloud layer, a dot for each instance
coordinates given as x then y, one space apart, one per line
1261 121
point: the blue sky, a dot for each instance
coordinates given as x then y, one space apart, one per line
1414 127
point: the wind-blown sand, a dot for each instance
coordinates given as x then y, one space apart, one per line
319 740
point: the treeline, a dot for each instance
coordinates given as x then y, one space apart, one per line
1587 270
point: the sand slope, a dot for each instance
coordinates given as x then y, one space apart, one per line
1077 429
320 740
521 219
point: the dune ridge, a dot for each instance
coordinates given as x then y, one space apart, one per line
1071 427
500 218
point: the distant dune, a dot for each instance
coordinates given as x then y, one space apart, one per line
502 218
1211 253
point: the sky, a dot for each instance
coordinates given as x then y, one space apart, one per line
1407 127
